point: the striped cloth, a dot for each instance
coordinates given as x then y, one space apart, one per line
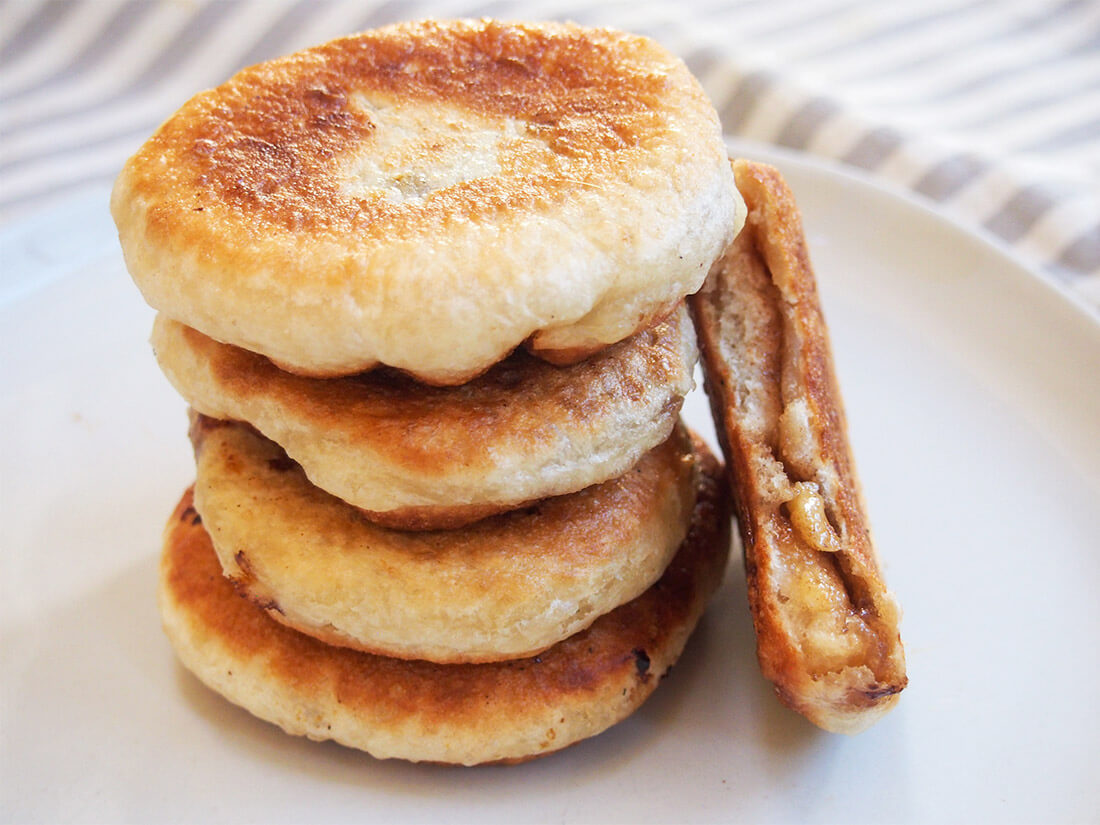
989 109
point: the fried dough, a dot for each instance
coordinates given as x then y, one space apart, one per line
826 626
417 457
463 714
508 586
430 196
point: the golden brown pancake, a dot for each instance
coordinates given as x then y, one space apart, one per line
415 710
826 625
430 196
509 586
419 457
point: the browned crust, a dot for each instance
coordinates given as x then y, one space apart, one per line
764 343
574 690
263 142
440 517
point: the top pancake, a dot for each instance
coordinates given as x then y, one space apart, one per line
429 196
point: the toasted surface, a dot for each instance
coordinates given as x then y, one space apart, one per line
508 586
430 196
416 457
416 710
827 628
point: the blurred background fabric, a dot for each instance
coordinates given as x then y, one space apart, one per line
987 110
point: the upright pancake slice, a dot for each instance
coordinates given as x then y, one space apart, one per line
415 710
508 586
826 626
418 457
431 196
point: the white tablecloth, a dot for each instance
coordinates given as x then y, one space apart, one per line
990 110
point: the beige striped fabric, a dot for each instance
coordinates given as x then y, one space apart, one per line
988 109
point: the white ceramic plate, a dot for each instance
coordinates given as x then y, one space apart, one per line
973 391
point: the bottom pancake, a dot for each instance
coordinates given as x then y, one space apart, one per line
415 710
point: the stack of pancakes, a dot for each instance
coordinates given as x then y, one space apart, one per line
423 291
